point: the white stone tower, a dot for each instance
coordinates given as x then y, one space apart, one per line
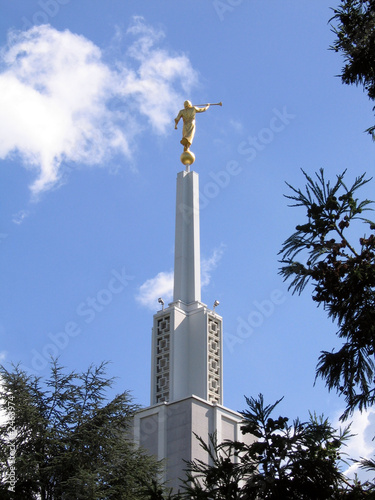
187 362
187 336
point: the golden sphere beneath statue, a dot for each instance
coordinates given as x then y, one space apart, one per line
187 158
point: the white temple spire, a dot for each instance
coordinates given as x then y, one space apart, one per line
187 348
187 277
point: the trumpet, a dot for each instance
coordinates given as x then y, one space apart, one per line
210 104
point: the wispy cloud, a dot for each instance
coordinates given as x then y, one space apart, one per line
153 84
20 216
209 264
361 444
236 125
62 103
162 284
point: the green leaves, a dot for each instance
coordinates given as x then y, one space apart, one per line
70 441
355 39
221 478
342 273
286 461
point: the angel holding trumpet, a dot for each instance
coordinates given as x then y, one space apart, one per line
188 117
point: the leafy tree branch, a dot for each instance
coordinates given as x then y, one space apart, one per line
342 272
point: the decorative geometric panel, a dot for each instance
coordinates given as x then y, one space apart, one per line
162 359
214 353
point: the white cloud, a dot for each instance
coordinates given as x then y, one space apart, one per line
236 125
20 216
151 85
152 289
208 265
60 102
162 284
361 444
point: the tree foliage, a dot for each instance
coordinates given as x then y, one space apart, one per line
355 32
343 279
63 439
284 461
220 479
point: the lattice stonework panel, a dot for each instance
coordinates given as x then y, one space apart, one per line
214 367
162 359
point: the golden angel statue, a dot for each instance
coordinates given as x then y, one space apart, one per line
188 117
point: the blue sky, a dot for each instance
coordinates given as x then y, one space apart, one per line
88 164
